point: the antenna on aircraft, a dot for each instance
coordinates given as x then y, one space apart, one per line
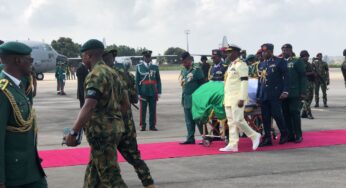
224 42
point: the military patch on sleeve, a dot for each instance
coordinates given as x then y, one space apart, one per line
93 94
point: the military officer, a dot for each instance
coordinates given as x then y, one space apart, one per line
128 146
322 79
291 106
60 76
148 84
310 75
343 67
20 165
191 79
236 95
101 117
205 67
217 71
272 89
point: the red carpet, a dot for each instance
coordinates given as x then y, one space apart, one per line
164 150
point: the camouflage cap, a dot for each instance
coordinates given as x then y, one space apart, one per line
15 48
216 52
92 44
113 51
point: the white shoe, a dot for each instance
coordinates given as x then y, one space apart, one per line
256 141
228 149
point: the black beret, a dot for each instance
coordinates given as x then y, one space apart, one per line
304 53
147 53
203 57
216 52
15 48
287 46
184 56
267 46
319 54
92 44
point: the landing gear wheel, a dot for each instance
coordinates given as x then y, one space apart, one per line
39 76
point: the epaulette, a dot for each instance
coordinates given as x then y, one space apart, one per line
3 84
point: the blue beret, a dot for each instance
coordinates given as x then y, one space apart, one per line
267 46
15 48
92 44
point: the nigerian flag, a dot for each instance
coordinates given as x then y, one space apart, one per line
207 98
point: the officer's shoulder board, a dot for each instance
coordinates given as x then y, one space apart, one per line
3 84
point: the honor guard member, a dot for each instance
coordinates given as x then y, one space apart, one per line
322 79
205 67
217 71
101 117
343 67
191 79
272 89
291 106
236 96
310 75
148 84
20 165
128 146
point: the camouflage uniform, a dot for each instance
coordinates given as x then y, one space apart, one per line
322 80
128 146
253 70
309 91
105 128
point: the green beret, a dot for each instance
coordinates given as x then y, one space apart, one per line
92 44
15 48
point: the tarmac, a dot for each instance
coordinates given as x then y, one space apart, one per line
307 168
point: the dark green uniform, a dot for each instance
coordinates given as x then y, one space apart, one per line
322 80
309 91
343 70
20 165
105 128
253 70
190 80
292 105
148 84
128 146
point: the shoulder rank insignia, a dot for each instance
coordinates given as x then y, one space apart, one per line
3 84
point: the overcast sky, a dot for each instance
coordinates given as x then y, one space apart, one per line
315 25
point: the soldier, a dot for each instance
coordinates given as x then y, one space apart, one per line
236 95
148 84
60 76
217 71
191 79
20 165
291 106
322 79
128 146
82 73
306 112
205 67
101 118
272 88
343 67
253 66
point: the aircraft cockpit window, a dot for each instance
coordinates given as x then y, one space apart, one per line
47 48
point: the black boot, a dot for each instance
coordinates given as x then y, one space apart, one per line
283 139
304 115
267 141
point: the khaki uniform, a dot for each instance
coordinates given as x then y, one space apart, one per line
236 88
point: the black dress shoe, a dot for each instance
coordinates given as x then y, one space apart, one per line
291 139
310 117
153 129
143 129
298 140
266 142
326 106
304 115
317 105
283 139
187 142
